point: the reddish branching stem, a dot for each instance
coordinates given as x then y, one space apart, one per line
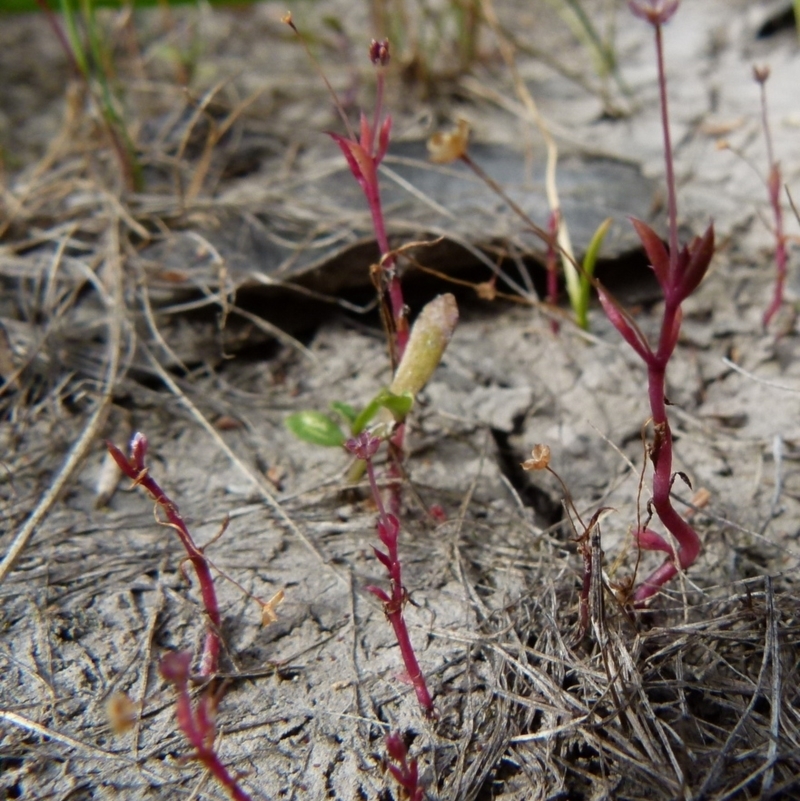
364 447
198 722
364 153
679 271
135 468
774 183
363 156
404 769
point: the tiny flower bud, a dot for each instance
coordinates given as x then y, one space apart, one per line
364 446
761 73
656 12
379 52
540 458
139 446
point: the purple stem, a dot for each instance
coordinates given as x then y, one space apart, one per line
376 493
197 724
393 604
552 266
135 469
661 453
376 119
686 537
373 194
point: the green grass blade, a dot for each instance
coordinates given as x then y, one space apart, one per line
589 263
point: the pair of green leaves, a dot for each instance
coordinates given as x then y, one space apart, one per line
327 430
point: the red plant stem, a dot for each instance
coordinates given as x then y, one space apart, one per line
376 495
404 770
204 752
395 470
394 612
211 648
679 272
781 261
686 537
376 119
136 471
672 202
197 724
388 265
552 266
393 604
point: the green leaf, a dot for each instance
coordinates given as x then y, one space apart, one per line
589 263
366 414
345 411
398 405
317 428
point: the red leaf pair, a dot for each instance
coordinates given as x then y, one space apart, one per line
362 157
681 275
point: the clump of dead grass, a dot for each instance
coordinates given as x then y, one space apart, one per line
693 701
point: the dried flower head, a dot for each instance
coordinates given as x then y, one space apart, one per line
487 290
121 711
540 458
446 147
269 614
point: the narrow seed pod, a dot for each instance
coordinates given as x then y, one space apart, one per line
429 337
